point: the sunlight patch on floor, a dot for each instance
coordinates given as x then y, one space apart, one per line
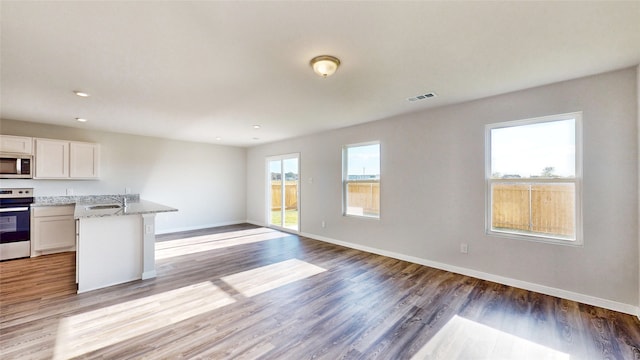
461 338
180 247
93 330
257 281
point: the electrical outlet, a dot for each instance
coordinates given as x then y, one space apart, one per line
324 224
69 191
464 248
127 190
149 229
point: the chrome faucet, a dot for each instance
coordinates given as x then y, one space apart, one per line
122 200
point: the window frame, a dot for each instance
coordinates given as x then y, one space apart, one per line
346 181
577 181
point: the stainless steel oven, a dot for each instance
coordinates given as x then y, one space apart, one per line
15 166
15 223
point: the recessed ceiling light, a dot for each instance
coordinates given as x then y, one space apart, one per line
256 126
81 94
218 138
81 119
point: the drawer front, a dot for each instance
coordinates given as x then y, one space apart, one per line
39 211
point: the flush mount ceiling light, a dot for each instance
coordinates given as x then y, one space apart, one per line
325 65
81 94
81 120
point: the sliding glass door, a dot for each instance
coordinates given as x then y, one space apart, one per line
283 191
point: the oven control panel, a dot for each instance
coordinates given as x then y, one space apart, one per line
7 193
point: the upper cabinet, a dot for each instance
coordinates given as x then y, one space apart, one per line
16 144
62 159
84 160
52 159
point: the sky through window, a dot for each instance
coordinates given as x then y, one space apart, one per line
535 150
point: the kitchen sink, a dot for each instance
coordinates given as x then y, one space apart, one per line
104 207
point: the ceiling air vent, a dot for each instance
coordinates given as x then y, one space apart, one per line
422 97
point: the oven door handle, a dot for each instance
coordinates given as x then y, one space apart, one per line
14 209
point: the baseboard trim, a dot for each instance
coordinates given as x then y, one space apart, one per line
148 275
198 227
543 289
256 223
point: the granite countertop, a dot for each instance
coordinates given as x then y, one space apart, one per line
59 201
135 205
85 199
133 208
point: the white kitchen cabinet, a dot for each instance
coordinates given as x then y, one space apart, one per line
84 160
16 144
63 159
52 159
53 229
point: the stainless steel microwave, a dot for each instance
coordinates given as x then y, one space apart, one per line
14 166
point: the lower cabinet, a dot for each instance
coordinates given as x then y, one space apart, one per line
53 229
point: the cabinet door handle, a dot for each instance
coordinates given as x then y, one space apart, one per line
14 209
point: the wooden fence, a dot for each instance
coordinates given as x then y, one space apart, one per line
538 208
291 195
364 198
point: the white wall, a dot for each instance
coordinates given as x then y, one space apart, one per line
205 182
432 190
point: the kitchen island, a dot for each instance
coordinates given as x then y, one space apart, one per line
115 243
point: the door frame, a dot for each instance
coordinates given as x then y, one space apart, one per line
267 208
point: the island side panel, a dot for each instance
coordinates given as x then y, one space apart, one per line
149 246
109 251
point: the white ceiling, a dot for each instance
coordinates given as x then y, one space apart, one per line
202 70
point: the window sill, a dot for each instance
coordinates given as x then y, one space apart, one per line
536 238
365 217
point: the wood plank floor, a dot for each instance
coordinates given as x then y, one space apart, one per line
249 292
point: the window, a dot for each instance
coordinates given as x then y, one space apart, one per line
361 180
533 172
